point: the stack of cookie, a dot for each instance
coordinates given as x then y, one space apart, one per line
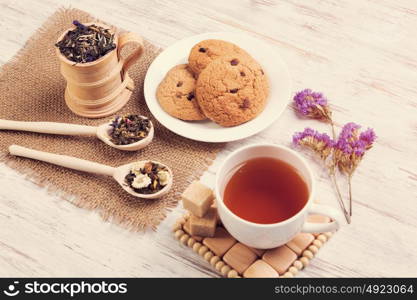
221 82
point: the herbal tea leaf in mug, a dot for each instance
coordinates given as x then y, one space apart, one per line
85 44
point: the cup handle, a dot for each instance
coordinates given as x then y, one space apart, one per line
323 227
127 38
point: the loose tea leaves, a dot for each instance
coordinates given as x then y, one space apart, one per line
129 129
86 43
148 178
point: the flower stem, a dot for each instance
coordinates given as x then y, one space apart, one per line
339 195
350 194
332 175
333 130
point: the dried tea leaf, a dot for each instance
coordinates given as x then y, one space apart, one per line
85 44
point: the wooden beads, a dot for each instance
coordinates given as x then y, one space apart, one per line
214 260
317 243
293 270
308 254
179 234
232 274
196 247
298 264
184 239
322 238
313 249
208 255
202 250
219 265
191 242
287 275
225 269
305 261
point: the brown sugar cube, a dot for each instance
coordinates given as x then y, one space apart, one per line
258 252
280 258
239 257
197 198
300 242
318 219
204 226
220 242
214 205
187 229
260 269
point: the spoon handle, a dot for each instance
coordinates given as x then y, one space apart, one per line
63 160
48 127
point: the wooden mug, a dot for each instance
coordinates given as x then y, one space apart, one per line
102 87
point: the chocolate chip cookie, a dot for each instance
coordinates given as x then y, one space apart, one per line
176 94
206 51
232 90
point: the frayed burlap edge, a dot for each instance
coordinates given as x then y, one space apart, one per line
79 201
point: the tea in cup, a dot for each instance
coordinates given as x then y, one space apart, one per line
264 194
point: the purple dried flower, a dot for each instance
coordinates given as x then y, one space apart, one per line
312 104
368 137
115 122
78 24
318 142
349 131
351 146
89 58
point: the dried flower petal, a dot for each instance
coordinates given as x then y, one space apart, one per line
351 146
320 143
368 137
79 25
313 105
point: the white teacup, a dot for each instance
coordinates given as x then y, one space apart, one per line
265 236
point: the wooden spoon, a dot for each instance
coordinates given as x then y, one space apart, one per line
100 131
70 162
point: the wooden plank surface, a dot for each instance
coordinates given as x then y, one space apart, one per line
360 53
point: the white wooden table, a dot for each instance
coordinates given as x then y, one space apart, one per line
361 53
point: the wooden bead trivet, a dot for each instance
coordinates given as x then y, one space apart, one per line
303 257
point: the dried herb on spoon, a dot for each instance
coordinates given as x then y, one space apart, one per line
129 129
147 178
85 44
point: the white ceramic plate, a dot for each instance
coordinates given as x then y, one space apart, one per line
207 131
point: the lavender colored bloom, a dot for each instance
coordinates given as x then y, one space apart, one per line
89 58
350 141
368 137
312 104
78 24
351 146
359 152
320 143
298 136
349 131
115 122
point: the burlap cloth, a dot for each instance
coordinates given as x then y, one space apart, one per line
32 89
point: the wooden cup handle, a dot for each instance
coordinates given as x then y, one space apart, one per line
124 39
